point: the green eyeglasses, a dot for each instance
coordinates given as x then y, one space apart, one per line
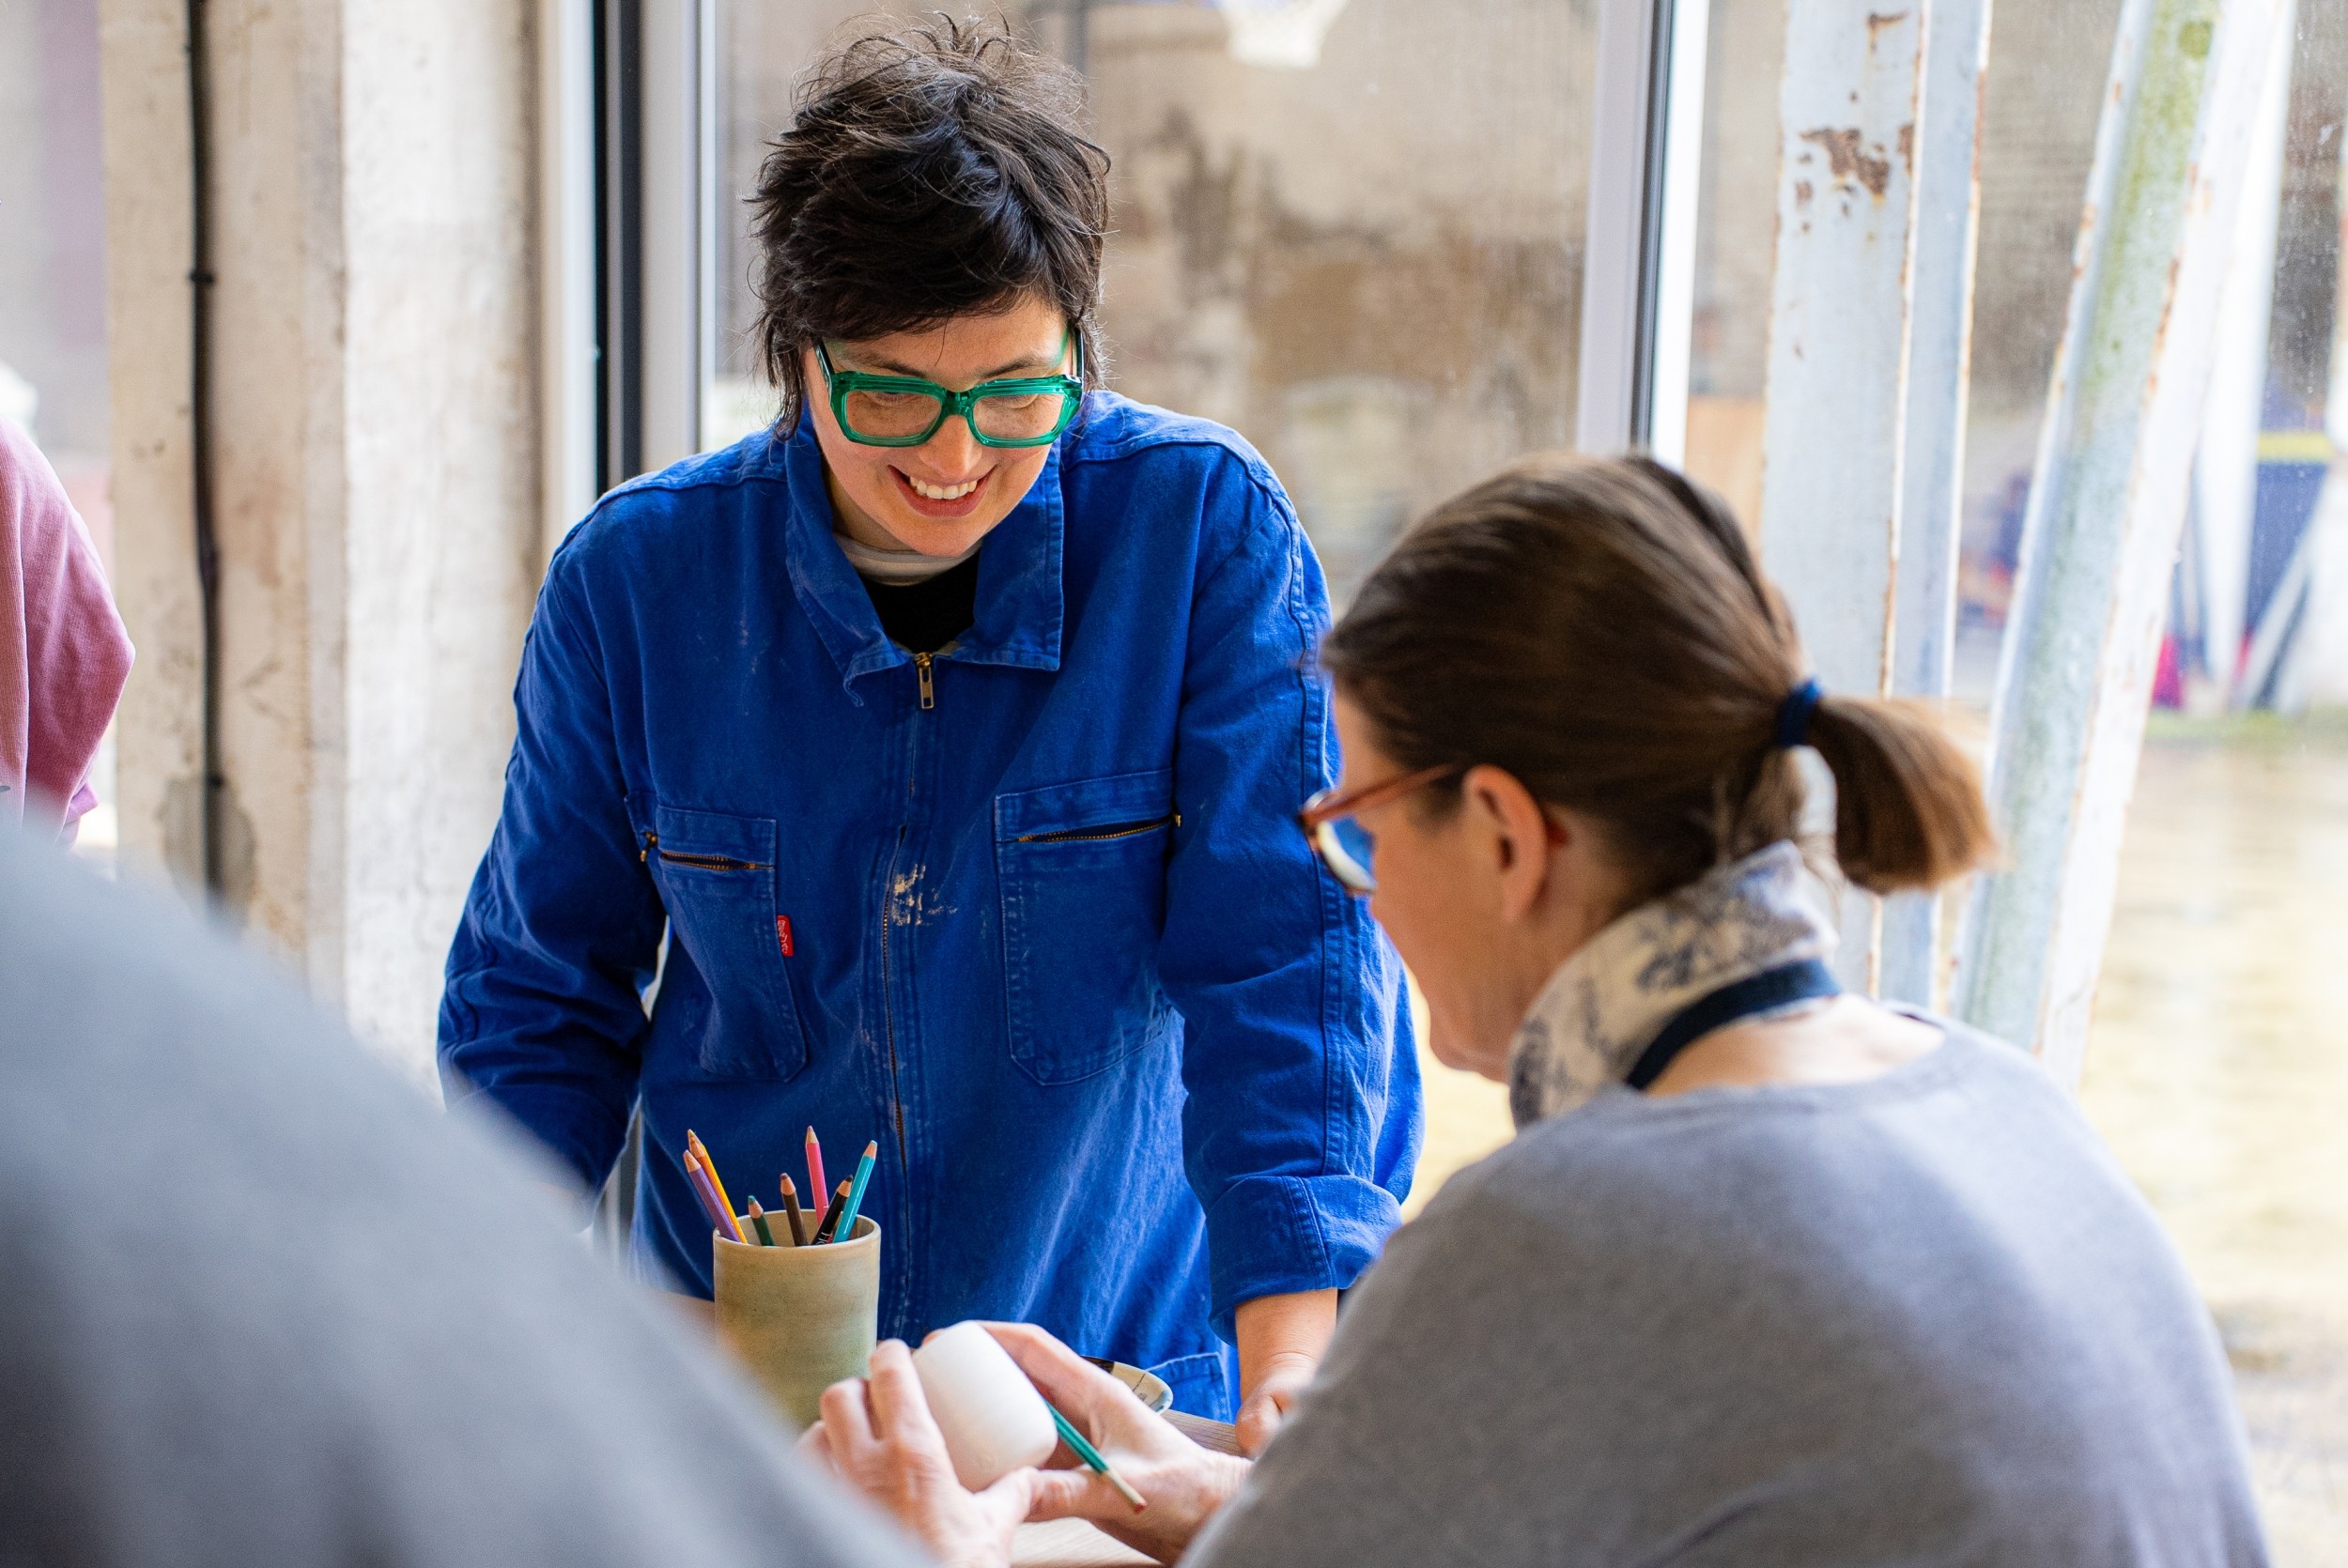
906 410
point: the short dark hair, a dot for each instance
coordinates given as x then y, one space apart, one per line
1600 629
928 173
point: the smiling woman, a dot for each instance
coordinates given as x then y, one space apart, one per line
979 695
931 436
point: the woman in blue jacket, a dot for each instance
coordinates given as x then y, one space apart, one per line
952 730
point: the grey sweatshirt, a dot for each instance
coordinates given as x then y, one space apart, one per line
1919 1320
261 1304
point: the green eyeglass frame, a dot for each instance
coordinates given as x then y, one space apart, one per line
841 384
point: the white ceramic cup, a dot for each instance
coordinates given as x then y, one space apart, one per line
993 1418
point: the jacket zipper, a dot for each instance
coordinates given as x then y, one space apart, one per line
888 1012
1093 835
707 862
922 668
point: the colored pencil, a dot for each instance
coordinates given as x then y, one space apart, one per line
695 1173
791 1207
693 1141
1092 1457
758 1222
708 1192
847 1230
816 1185
702 1194
831 1215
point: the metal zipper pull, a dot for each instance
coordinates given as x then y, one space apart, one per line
929 692
652 842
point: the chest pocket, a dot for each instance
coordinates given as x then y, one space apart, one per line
717 878
1082 870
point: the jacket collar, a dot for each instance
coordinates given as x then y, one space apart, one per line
1020 604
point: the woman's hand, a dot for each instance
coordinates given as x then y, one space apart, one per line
878 1436
1183 1483
1280 1341
1282 1378
878 1433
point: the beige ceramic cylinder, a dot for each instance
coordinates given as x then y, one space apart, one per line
800 1318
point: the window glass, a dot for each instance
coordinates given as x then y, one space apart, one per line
53 277
2215 1065
2212 1065
1350 231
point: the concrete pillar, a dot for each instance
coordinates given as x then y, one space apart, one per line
159 727
374 465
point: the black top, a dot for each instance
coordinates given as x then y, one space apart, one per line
923 616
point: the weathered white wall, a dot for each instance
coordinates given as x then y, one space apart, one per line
159 728
442 527
374 464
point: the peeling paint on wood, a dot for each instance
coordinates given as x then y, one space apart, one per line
1837 370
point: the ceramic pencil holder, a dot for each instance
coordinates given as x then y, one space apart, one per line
800 1318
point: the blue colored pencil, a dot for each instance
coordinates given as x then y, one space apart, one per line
846 1228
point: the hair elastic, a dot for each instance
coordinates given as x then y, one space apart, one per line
1793 714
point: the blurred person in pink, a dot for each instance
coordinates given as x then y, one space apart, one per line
64 655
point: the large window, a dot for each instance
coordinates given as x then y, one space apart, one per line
2215 1066
1350 231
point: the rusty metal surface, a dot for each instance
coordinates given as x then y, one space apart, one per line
2105 505
1838 336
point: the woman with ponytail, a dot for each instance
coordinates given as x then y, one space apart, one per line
1771 1274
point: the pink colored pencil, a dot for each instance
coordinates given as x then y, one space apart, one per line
816 1183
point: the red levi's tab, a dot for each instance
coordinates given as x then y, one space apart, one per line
782 933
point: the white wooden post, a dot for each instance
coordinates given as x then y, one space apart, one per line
1939 371
1838 350
2107 500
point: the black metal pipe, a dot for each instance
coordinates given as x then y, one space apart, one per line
200 281
619 148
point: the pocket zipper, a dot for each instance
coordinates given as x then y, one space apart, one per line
707 862
1086 834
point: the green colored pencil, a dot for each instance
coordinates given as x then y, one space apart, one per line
758 1219
1092 1457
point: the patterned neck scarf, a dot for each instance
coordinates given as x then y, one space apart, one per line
1608 1002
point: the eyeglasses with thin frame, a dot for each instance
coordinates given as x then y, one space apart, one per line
907 410
1343 844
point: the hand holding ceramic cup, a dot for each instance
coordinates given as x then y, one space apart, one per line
993 1420
801 1319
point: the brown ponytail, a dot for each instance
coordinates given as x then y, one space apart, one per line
1601 630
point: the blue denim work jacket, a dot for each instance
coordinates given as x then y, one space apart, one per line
1034 914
